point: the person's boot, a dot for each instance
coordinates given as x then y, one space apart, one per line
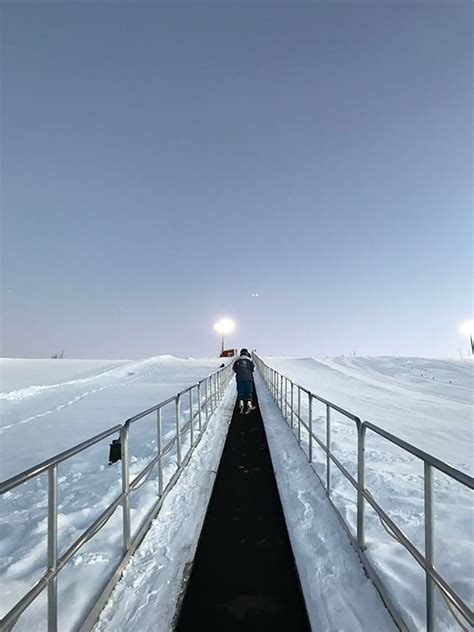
241 406
250 406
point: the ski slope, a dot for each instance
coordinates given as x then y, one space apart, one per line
429 403
47 406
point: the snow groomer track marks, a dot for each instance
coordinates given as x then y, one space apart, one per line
244 576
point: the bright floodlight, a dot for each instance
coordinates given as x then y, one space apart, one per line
467 328
224 326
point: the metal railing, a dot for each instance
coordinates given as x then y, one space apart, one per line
202 399
289 395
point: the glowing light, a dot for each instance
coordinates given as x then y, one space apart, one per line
224 326
467 328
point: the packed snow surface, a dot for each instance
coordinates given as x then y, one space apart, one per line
48 406
428 403
337 592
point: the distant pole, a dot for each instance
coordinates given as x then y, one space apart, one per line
222 342
467 329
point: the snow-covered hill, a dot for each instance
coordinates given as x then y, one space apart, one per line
47 406
429 403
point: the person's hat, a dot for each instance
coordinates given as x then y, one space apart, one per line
244 352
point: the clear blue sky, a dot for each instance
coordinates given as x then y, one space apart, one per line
162 162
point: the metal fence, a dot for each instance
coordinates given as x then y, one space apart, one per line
198 402
289 397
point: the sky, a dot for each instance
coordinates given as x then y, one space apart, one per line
163 162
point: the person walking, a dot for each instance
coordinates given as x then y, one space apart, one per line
243 369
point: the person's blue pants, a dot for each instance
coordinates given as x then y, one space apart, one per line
245 390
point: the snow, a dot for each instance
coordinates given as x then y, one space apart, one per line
427 402
147 596
49 405
337 592
45 411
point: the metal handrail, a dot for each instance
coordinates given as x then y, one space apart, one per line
203 399
36 470
278 385
449 470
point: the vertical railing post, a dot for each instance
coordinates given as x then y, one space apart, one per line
159 441
328 450
361 486
124 432
206 397
292 414
178 430
286 399
281 393
211 395
191 416
429 547
310 426
199 408
53 547
299 415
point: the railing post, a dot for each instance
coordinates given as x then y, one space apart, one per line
124 431
281 393
191 416
206 400
211 394
178 430
292 404
299 415
53 547
159 441
310 426
361 486
286 399
328 450
429 547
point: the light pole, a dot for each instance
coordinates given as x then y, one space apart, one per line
467 329
224 326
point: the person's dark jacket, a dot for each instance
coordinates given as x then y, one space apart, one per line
243 368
